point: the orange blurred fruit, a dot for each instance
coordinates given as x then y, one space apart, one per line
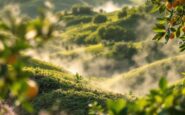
12 59
172 22
169 6
183 18
32 89
183 29
172 36
181 2
175 3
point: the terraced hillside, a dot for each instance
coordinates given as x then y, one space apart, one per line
81 41
87 47
140 80
61 91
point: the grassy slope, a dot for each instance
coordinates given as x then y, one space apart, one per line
151 73
90 30
62 91
133 73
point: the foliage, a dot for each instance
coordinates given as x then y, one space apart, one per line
167 100
28 61
99 19
64 91
123 13
18 33
87 32
93 39
171 24
163 101
78 20
112 33
81 10
123 51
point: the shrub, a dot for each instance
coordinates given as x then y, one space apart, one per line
123 13
132 20
99 19
163 101
78 20
92 39
80 38
123 51
112 33
80 10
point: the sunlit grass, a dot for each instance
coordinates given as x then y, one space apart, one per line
141 70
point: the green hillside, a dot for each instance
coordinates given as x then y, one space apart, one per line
81 36
86 41
119 39
148 75
64 92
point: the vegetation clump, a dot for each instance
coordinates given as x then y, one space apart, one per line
81 10
112 33
99 19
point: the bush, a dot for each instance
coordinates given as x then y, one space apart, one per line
80 38
112 33
78 20
123 51
80 10
99 19
123 13
163 101
92 39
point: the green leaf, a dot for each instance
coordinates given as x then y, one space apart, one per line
117 106
182 47
163 83
162 9
173 29
178 32
169 101
167 37
161 21
182 38
160 26
28 107
159 30
155 9
158 36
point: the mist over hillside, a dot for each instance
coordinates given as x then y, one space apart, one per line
124 45
83 49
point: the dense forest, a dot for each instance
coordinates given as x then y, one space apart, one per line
92 57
